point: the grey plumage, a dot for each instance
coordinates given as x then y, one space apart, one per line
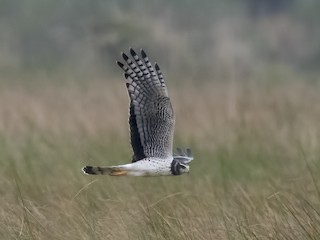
151 123
151 115
182 157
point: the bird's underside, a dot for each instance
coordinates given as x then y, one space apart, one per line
146 167
151 123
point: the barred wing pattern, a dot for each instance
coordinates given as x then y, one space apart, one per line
151 115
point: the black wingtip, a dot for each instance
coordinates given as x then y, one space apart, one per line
120 64
157 66
143 54
126 75
132 52
125 57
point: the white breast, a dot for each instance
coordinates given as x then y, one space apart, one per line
149 167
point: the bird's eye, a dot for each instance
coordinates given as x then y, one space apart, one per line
183 166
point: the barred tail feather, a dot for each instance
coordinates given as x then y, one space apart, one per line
95 170
112 170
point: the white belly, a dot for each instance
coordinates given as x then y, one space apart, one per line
149 167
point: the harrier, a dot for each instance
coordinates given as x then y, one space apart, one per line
151 123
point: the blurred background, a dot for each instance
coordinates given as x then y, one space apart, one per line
212 41
243 77
226 62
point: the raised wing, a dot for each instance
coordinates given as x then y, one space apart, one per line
151 115
182 157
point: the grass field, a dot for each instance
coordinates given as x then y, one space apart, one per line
256 173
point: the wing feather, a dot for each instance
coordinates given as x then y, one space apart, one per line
151 115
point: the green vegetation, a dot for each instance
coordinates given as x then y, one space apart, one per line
190 40
255 173
243 77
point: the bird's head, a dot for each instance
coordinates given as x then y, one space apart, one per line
178 168
184 168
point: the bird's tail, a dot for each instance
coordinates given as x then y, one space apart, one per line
111 170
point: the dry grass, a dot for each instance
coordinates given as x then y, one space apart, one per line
256 173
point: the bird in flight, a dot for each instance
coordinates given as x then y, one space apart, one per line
151 123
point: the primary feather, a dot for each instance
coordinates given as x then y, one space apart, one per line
151 115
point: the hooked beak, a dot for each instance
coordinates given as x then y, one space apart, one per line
185 167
